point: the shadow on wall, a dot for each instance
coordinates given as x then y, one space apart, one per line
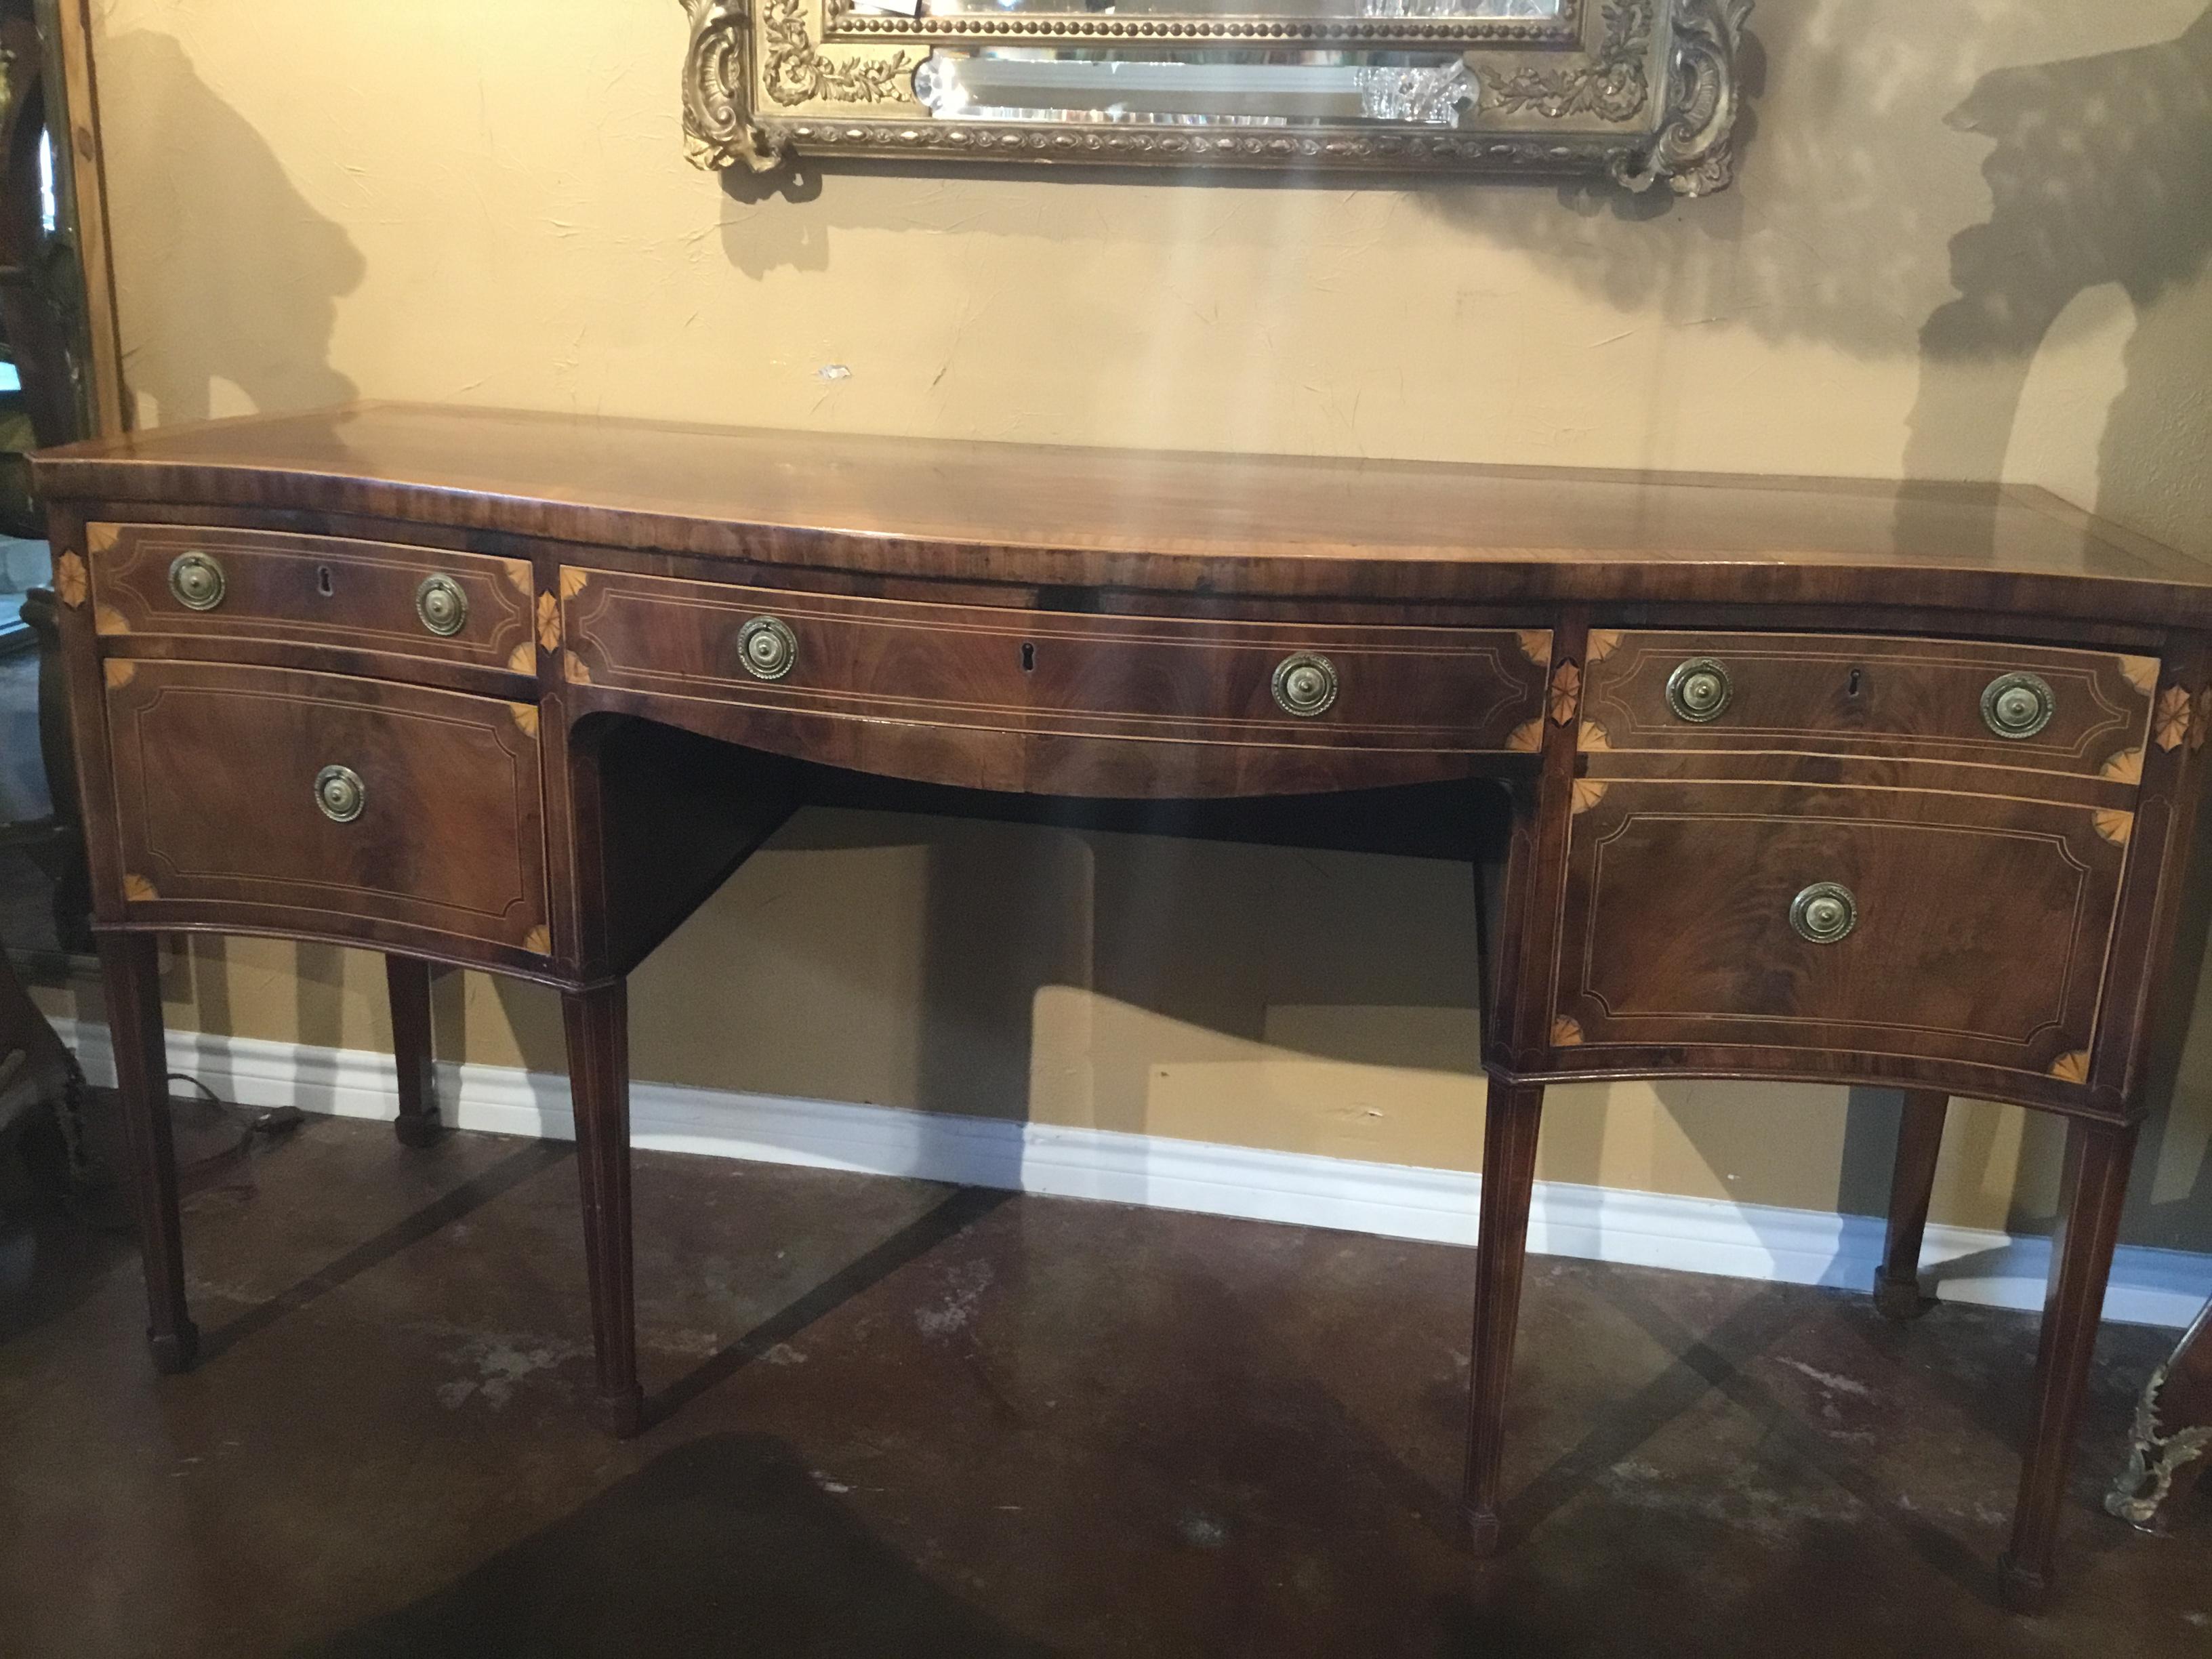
252 305
2102 175
1837 229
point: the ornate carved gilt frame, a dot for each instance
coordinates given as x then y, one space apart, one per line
1641 91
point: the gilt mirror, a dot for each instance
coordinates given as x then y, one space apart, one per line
1641 91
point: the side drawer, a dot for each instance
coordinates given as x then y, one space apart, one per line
1869 696
1442 690
1886 921
255 586
266 799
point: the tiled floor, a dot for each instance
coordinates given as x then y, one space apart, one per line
901 1419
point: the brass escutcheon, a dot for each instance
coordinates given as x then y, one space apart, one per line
1305 683
442 604
767 648
1698 690
2018 705
1824 913
195 580
340 795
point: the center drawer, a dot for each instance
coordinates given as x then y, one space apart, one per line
266 799
1885 922
1400 688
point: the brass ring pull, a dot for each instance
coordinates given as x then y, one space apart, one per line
2018 705
196 581
340 795
1305 684
1698 690
1824 913
442 604
767 648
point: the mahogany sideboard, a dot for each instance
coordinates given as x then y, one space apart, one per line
1805 779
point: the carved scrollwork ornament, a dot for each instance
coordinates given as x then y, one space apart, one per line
718 131
2153 1460
1610 84
800 72
1695 151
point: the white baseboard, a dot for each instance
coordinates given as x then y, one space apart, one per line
1649 1230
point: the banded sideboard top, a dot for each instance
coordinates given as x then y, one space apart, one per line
1214 523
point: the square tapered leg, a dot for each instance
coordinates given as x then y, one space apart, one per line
1919 1140
407 979
130 965
2092 1189
1509 1175
597 1022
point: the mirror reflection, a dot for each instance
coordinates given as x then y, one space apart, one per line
1273 88
1481 10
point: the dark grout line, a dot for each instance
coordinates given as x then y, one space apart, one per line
961 1210
1718 1359
1695 1369
472 1195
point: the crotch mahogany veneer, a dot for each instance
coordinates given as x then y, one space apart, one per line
1802 779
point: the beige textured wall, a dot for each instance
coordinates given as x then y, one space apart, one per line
1970 241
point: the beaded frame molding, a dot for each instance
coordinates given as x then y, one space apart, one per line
1643 92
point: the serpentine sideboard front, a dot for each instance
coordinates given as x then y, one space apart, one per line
1804 778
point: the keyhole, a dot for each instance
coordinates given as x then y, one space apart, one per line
323 580
1028 658
1852 688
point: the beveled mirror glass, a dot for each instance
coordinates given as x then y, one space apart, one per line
1643 91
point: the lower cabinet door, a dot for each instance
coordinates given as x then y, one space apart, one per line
262 798
1885 922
